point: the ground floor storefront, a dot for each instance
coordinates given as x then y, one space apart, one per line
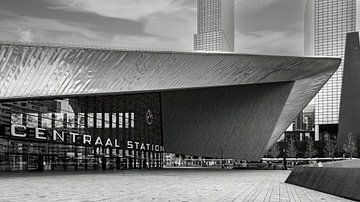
30 156
81 133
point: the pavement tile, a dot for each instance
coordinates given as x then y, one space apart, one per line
157 185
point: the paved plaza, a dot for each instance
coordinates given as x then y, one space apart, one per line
156 185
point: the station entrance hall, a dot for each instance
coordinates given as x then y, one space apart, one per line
81 133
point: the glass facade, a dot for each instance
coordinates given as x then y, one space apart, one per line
82 133
215 25
333 19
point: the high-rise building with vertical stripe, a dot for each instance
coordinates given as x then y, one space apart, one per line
326 24
215 25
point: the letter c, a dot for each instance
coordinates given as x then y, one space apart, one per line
13 131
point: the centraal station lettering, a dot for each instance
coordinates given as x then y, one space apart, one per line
78 139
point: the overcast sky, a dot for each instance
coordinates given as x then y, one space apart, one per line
262 26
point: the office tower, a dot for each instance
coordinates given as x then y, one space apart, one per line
326 24
215 25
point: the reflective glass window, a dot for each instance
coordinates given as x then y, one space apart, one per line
46 119
90 123
106 120
17 119
81 120
98 120
32 120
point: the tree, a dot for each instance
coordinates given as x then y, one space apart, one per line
274 151
349 146
291 149
310 148
330 148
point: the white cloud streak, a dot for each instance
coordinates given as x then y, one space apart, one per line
29 29
127 9
170 24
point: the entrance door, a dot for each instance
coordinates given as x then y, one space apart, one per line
125 162
118 162
19 162
48 162
108 163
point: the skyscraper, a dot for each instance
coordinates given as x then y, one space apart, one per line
215 25
326 25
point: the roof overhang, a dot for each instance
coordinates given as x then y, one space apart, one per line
41 70
30 70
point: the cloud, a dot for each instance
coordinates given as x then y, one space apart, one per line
127 9
25 35
31 29
269 26
167 24
44 30
270 43
4 12
274 15
262 26
179 26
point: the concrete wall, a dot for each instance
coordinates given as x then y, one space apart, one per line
343 182
231 122
350 98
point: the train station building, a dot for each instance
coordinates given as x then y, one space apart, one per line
84 108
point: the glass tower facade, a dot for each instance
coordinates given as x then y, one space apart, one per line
215 25
330 20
